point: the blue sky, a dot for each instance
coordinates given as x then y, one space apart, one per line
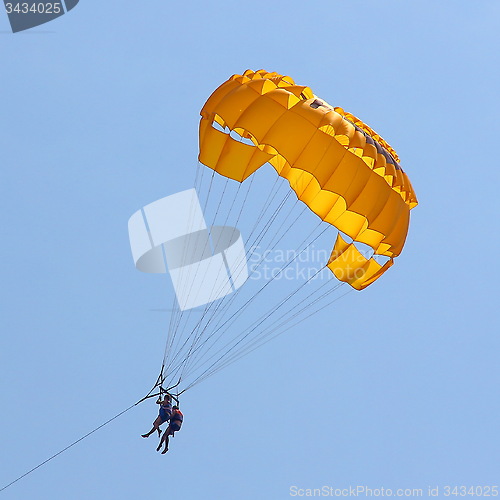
394 387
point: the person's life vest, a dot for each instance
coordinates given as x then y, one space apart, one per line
177 415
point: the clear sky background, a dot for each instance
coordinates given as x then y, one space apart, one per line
394 387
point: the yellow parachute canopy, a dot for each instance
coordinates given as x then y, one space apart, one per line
337 165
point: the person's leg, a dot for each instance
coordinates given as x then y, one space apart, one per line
156 427
148 433
166 446
161 441
168 432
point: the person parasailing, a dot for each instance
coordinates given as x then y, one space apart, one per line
176 420
163 415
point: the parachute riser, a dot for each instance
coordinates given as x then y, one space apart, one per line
162 391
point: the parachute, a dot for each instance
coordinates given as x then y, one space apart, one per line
343 186
338 166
